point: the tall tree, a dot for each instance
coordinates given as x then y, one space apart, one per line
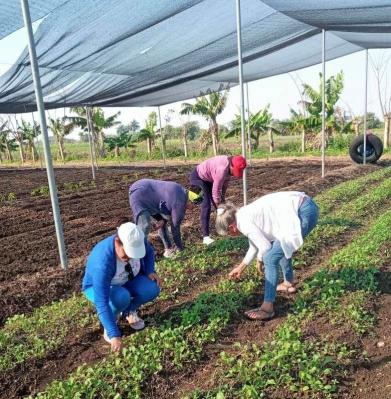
209 105
313 102
60 128
380 66
149 131
134 125
29 131
18 136
7 145
99 124
261 123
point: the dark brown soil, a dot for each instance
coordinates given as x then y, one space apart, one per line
29 266
30 275
371 379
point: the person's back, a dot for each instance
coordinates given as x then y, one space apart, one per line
276 215
156 197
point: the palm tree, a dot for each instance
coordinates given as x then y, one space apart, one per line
302 124
149 131
99 124
260 123
122 140
60 129
134 126
209 105
7 145
29 132
313 102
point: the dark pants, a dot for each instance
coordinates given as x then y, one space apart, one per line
207 201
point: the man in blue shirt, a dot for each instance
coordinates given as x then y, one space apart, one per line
164 201
120 277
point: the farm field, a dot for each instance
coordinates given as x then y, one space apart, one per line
198 344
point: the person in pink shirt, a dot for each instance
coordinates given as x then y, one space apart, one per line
213 176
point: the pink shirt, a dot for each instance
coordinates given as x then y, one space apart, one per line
216 170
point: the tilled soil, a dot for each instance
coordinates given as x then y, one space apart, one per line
29 266
29 271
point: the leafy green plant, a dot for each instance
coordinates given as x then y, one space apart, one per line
41 191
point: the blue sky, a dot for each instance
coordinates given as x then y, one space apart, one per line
278 91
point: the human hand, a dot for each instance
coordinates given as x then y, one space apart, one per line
116 344
155 277
259 266
237 271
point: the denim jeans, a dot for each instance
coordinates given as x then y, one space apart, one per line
207 201
130 296
144 222
275 257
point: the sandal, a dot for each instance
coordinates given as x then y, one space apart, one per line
260 314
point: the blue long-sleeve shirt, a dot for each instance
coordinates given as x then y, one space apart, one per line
160 197
100 270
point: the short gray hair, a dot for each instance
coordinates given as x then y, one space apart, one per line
226 215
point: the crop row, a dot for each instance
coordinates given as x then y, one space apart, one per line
24 337
293 364
349 216
177 341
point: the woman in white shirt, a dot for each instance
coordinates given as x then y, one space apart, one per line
275 225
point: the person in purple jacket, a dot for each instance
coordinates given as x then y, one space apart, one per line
213 176
162 201
120 277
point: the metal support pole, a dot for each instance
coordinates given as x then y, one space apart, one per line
89 122
90 141
162 138
44 131
364 160
240 64
323 99
248 126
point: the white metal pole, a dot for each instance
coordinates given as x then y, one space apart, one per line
248 126
240 64
44 131
89 122
364 160
162 138
90 140
323 99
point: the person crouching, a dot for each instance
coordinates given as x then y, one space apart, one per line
120 277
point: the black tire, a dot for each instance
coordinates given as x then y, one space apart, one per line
374 149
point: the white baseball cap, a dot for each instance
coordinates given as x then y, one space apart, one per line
132 239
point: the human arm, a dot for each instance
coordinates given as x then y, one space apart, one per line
177 215
258 245
219 180
101 285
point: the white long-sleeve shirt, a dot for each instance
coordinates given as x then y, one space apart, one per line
273 217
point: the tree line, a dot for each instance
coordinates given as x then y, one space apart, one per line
306 121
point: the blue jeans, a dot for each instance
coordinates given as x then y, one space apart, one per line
275 257
144 222
130 296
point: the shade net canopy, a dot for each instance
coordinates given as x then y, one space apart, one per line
140 53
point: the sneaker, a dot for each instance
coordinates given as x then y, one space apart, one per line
207 240
135 321
106 337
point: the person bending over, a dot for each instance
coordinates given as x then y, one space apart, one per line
162 201
276 225
213 176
